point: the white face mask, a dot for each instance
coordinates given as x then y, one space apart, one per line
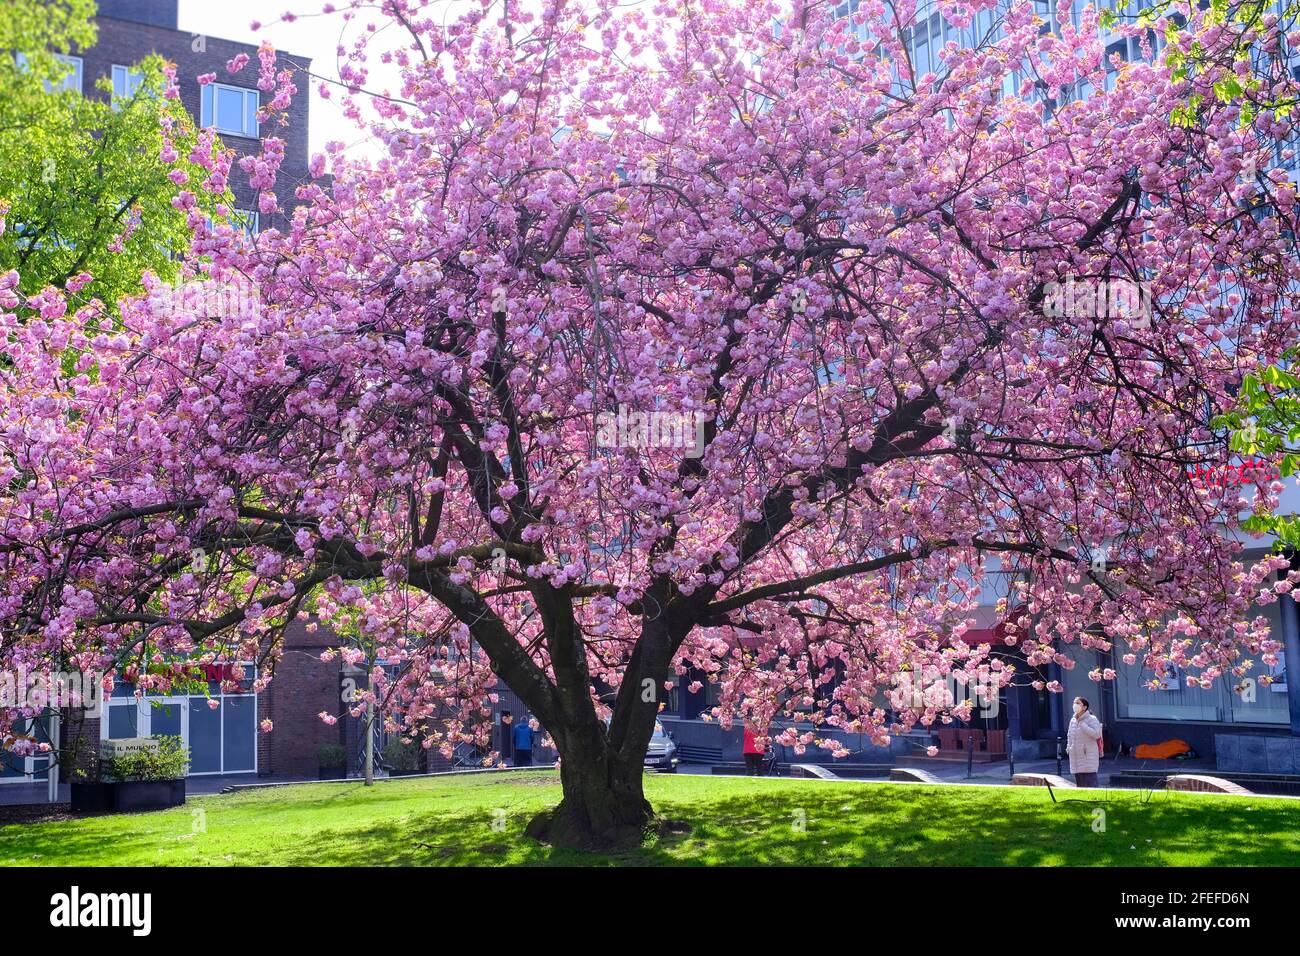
1078 709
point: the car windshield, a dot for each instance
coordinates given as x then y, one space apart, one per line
659 728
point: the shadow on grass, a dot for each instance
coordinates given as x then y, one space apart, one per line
878 827
777 823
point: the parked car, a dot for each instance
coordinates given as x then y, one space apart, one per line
661 754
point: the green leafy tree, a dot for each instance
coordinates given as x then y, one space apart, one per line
1264 46
1266 425
83 185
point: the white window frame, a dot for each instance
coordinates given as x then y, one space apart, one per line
74 81
35 766
144 722
126 82
209 95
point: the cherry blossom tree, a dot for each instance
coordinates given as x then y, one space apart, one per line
702 337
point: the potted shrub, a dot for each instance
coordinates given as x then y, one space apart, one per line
333 761
150 776
402 759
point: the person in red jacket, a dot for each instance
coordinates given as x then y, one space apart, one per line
753 752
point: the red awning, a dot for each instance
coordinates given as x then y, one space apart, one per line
1011 626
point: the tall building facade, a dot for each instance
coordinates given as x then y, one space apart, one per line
130 30
220 727
1249 725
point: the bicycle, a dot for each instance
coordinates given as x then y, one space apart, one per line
771 766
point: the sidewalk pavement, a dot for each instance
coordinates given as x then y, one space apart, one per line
1000 772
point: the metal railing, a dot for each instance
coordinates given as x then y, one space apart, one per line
377 761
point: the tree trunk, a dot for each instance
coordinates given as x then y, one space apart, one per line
604 806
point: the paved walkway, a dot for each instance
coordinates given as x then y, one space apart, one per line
1000 773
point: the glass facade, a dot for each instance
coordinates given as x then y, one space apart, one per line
1174 701
221 739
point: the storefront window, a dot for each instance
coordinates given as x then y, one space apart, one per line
204 737
123 720
1258 703
1177 701
1173 701
220 738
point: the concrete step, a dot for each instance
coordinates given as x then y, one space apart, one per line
1039 780
1272 784
1204 783
950 757
811 770
913 775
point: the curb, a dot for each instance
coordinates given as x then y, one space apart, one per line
240 787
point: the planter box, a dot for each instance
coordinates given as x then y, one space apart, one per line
92 797
405 773
127 796
148 795
333 773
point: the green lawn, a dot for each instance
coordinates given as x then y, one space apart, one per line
480 820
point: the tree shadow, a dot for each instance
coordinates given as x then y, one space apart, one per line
773 823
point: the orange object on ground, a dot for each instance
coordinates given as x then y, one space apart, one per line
1161 751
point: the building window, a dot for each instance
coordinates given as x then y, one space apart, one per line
1230 700
71 79
244 221
16 769
230 109
126 82
247 220
926 40
220 740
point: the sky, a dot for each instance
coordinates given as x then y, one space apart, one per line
316 37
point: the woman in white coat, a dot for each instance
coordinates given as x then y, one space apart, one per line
1081 744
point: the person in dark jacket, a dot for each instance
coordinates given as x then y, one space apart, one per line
523 738
507 737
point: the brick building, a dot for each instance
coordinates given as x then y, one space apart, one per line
130 30
223 739
304 686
